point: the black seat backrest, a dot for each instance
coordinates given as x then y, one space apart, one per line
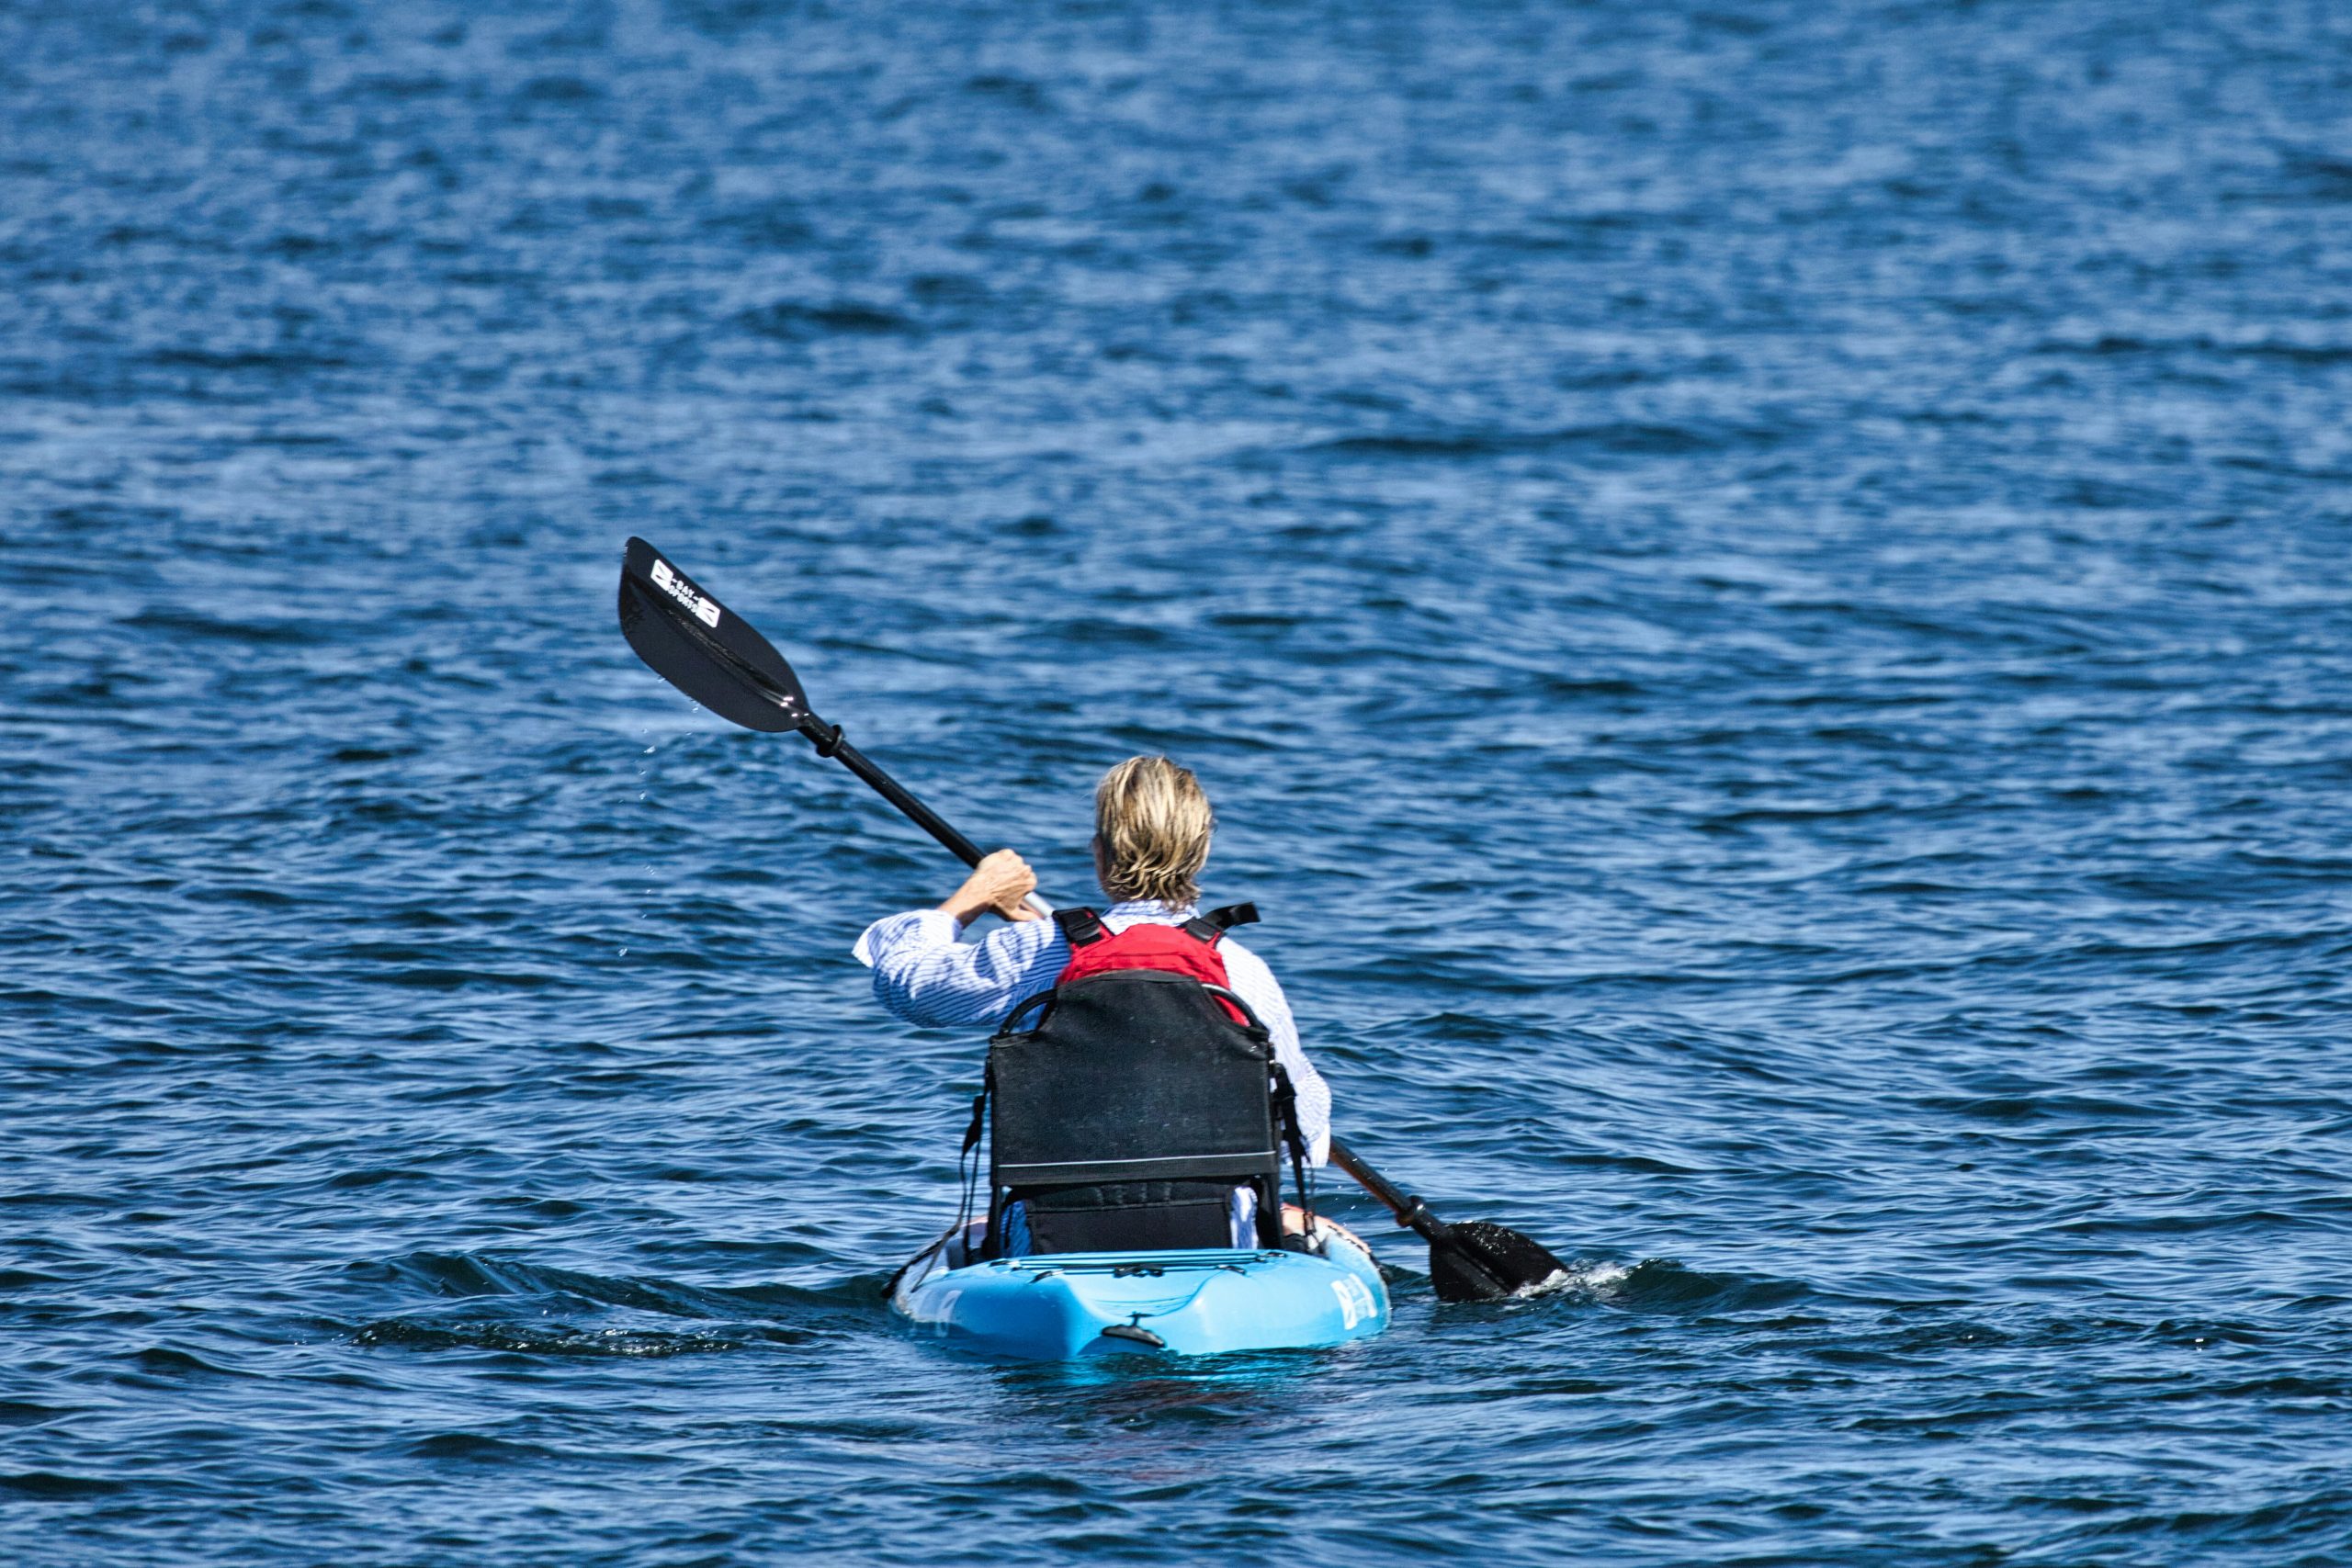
1126 1114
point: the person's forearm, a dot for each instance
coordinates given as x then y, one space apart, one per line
927 976
923 974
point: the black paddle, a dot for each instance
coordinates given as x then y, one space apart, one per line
714 656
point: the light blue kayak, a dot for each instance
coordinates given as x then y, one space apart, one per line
1071 1305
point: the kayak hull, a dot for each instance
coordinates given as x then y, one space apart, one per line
1079 1306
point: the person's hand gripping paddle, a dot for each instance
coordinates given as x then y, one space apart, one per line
690 639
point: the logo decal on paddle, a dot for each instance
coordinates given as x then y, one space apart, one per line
669 583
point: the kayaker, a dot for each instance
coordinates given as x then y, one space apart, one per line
1152 829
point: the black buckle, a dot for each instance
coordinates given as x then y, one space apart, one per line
1081 928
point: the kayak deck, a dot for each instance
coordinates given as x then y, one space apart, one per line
1066 1307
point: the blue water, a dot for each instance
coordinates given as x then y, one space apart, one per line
1761 587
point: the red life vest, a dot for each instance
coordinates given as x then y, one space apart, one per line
1188 949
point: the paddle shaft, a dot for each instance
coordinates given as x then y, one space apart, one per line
1410 1210
828 741
1480 1262
889 789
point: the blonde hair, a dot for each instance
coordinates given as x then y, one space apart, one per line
1153 825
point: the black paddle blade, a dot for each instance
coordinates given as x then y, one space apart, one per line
1480 1261
705 650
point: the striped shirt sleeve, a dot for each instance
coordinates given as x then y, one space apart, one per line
924 976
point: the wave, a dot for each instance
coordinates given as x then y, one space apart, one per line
793 321
569 1339
1617 438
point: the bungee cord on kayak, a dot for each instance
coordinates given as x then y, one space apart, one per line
1144 1084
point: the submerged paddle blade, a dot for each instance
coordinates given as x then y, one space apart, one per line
1481 1261
705 650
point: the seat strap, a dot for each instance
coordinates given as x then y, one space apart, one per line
1286 1113
1081 928
967 1167
1211 928
980 1119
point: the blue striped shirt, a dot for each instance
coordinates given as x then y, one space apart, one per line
923 974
